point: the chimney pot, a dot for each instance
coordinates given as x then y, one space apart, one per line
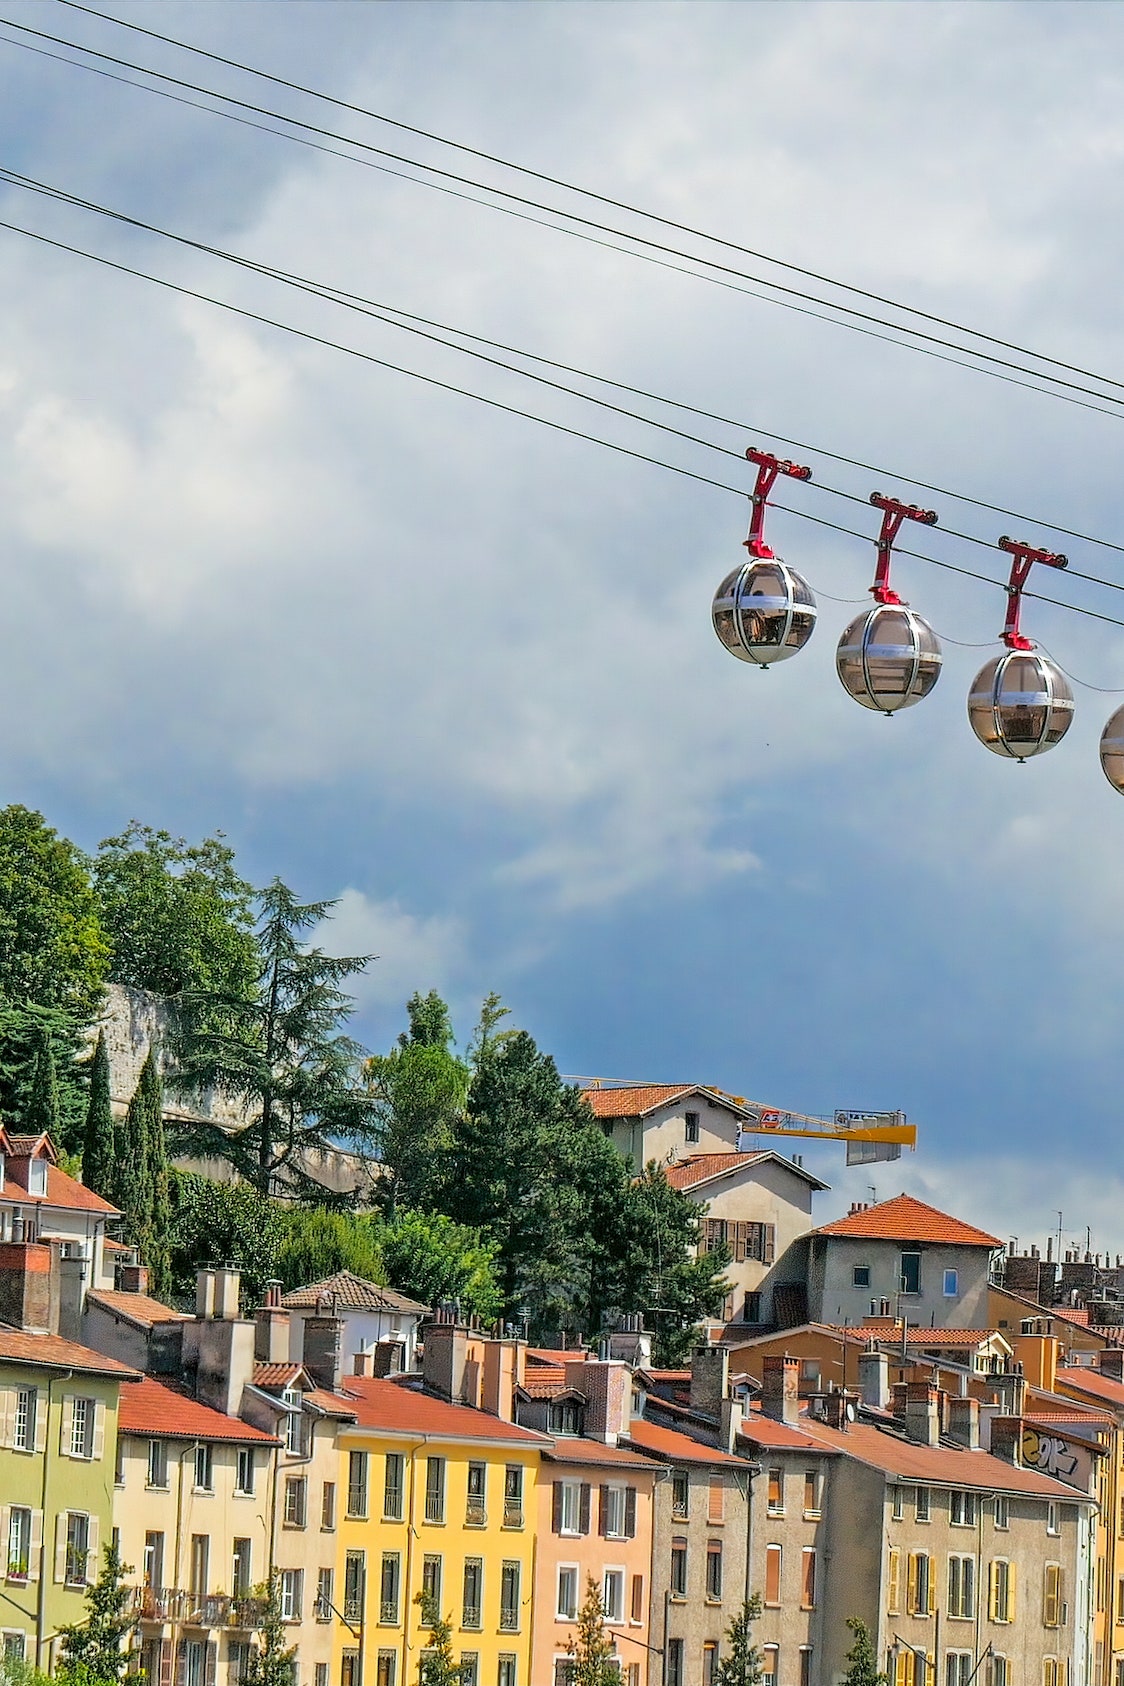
780 1388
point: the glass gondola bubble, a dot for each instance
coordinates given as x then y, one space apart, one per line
764 612
888 658
1112 751
1020 704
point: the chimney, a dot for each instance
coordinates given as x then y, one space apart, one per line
730 1424
921 1411
1006 1439
271 1328
1110 1363
221 1351
874 1378
631 1342
964 1423
1038 1356
228 1284
500 1368
29 1286
710 1379
204 1293
831 1409
780 1388
132 1278
323 1351
365 1362
1010 1390
443 1364
607 1386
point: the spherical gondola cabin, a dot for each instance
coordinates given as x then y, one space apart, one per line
764 612
1020 704
888 658
1112 751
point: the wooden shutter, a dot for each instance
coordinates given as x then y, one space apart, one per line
7 1415
5 1533
35 1555
772 1574
808 1589
741 1234
893 1581
1011 1602
60 1545
1049 1592
93 1560
769 1252
556 1507
41 1411
992 1590
911 1584
211 1663
99 1429
932 1588
602 1509
165 1663
583 1508
66 1424
181 1663
630 1513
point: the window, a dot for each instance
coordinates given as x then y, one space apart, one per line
678 1568
959 1668
470 1668
472 1603
296 1501
921 1504
354 1586
82 1414
1002 1600
244 1479
618 1512
714 1569
203 1461
292 1594
962 1586
1052 1674
154 1560
567 1592
328 1506
15 1645
509 1598
811 1492
898 1510
770 1656
431 1581
392 1487
388 1588
1002 1511
636 1607
715 1498
710 1662
23 1434
19 1544
894 1582
951 1284
751 1310
563 1671
567 1416
675 1662
513 1496
860 1276
691 1127
919 1585
386 1664
357 1484
568 1507
320 1674
775 1493
612 1595
1052 1518
476 1511
1052 1596
77 1548
911 1273
1000 1674
241 1579
805 1665
962 1509
200 1561
157 1464
505 1671
435 1489
349 1669
37 1176
808 1578
773 1574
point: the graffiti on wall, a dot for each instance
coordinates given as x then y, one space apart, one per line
1050 1454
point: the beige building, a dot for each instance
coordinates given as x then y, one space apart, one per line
666 1121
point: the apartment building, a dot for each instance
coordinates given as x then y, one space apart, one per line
1100 1384
39 1201
373 1319
668 1121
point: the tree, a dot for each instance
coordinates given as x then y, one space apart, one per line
318 1243
53 952
134 1181
177 915
158 1255
228 1222
437 1665
41 1115
434 1260
99 1149
863 1664
419 1089
270 1662
279 1051
658 1269
591 1649
22 1033
743 1663
94 1651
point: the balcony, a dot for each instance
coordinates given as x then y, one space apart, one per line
388 1611
475 1515
470 1616
509 1620
173 1604
513 1513
435 1507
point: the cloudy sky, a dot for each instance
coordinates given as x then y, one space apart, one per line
457 669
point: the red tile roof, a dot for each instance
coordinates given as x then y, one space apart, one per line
67 1193
1085 1380
907 1219
162 1411
918 1336
140 1309
779 1437
276 1375
942 1465
635 1101
684 1173
350 1291
581 1451
674 1445
332 1404
382 1404
51 1352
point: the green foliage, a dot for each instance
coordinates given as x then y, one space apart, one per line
158 1247
271 1661
419 1089
94 1652
430 1258
177 915
743 1664
21 1033
41 1115
317 1243
486 1037
53 952
862 1663
591 1649
437 1666
657 1273
99 1148
135 1171
222 1222
278 1051
430 1024
17 1671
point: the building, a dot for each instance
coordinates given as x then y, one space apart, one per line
38 1201
900 1258
668 1121
374 1319
1100 1385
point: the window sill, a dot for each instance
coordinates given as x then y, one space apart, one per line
955 1618
295 1527
813 1515
772 1512
203 1492
17 1580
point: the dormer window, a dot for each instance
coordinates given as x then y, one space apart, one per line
37 1176
567 1416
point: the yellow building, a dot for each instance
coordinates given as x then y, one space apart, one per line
441 1499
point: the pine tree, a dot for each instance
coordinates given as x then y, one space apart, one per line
98 1149
591 1651
42 1114
437 1665
270 1661
419 1089
863 1664
742 1666
94 1651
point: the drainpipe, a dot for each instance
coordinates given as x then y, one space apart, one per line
407 1579
41 1599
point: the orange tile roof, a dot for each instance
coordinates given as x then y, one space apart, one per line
907 1219
332 1404
382 1404
673 1444
51 1352
578 1450
67 1193
634 1102
276 1375
779 1437
162 1411
917 1335
140 1309
942 1465
1083 1379
684 1173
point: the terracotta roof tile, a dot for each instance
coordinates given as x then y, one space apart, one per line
684 1173
160 1410
673 1444
276 1375
67 1193
1086 1380
139 1309
636 1100
350 1292
779 1437
332 1404
907 1219
381 1404
53 1353
917 1337
582 1451
943 1465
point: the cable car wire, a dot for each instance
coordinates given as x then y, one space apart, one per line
527 415
928 339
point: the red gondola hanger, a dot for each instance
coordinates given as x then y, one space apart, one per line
768 467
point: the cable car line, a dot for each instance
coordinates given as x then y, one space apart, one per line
584 192
1067 386
374 310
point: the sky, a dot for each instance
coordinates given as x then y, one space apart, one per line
456 669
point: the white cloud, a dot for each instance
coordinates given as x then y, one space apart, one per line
410 952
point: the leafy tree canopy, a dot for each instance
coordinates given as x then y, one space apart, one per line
592 1660
419 1090
862 1664
270 1662
743 1664
23 1030
437 1667
94 1651
317 1243
430 1258
53 951
177 915
213 1222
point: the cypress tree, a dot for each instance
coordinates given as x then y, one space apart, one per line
133 1183
42 1114
159 1259
99 1145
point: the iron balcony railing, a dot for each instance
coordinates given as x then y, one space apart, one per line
513 1513
174 1604
475 1515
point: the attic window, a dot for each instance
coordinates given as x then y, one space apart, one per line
37 1176
691 1132
567 1416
